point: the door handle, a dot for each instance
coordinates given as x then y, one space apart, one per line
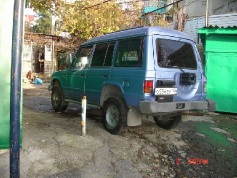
105 75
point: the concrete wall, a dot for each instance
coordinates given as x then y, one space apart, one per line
195 8
224 7
198 8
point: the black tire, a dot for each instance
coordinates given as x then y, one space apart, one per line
58 99
168 122
114 115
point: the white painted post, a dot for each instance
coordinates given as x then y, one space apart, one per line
207 15
83 116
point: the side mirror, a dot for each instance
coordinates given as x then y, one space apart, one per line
84 61
70 59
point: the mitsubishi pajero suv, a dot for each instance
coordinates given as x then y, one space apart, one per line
133 74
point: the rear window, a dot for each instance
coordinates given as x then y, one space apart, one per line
175 54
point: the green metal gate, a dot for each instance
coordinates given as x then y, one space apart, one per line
220 47
6 28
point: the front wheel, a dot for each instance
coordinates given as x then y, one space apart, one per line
57 99
168 122
114 115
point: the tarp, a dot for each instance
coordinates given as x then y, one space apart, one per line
152 8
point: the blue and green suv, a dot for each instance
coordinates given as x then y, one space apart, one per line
133 74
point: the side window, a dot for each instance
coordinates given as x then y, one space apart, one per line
103 55
129 53
109 55
81 59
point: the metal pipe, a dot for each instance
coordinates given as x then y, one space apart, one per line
17 38
53 61
83 116
207 17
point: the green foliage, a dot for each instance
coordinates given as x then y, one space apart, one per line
44 5
87 19
154 20
43 23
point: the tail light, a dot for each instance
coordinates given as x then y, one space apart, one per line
148 86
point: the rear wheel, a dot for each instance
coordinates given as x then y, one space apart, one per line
58 99
168 122
114 115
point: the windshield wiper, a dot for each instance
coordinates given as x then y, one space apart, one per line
179 68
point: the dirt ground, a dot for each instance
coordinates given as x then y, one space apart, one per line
201 146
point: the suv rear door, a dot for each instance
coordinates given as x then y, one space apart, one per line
178 67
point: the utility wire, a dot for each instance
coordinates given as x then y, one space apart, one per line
106 1
224 5
128 2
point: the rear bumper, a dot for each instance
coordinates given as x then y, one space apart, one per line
153 107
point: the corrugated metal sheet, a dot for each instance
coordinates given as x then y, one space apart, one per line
224 20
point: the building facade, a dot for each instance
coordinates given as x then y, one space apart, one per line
215 7
129 4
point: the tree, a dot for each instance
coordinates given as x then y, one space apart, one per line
87 19
45 9
154 19
44 5
43 23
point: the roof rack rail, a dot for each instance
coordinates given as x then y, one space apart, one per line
125 29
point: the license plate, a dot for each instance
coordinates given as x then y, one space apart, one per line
165 91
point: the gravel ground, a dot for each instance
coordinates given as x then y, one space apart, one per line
201 146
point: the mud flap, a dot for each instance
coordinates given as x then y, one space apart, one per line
211 105
134 118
